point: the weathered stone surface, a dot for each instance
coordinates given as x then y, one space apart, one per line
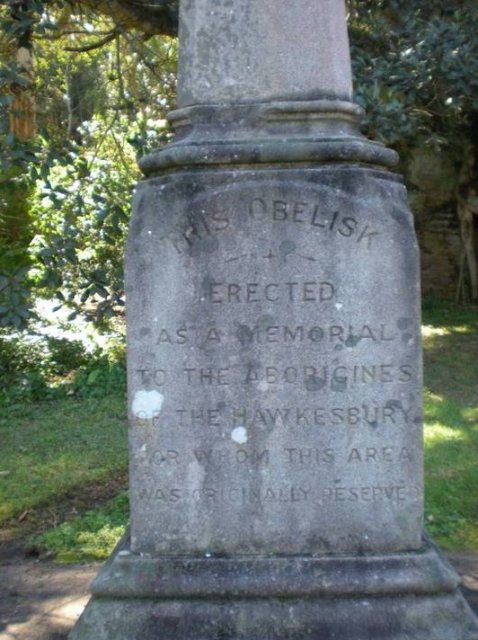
246 51
408 596
274 364
316 131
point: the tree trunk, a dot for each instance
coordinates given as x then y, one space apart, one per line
22 111
15 189
467 207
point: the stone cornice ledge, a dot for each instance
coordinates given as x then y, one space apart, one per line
320 131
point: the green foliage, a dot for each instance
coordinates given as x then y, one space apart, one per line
100 378
66 195
15 294
66 355
23 370
34 368
81 222
90 537
16 304
416 69
83 198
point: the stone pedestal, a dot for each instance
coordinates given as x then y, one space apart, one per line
275 397
274 363
393 596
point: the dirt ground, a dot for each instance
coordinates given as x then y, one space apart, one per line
41 601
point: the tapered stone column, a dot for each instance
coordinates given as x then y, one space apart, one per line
274 358
249 51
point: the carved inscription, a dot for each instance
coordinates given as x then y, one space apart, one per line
267 333
312 215
300 457
288 380
240 495
336 378
309 214
390 413
313 378
276 292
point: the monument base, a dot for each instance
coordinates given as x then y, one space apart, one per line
409 596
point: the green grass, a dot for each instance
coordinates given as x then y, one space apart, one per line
92 536
57 456
451 424
64 460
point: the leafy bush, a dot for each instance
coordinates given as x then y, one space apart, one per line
99 378
81 215
24 366
66 355
15 296
34 368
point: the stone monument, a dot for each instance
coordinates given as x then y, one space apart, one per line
274 358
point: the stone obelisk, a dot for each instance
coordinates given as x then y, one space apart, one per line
274 358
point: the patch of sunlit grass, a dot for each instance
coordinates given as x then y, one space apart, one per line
436 432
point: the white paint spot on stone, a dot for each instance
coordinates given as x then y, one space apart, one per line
338 306
263 385
147 404
239 435
150 233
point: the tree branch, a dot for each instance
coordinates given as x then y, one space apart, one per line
152 17
94 45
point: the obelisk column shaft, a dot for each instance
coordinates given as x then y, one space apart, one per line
262 50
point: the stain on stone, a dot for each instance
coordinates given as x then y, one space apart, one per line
398 406
338 385
244 334
394 404
352 341
314 383
319 543
407 338
400 215
403 323
206 283
266 321
144 332
287 247
208 244
338 347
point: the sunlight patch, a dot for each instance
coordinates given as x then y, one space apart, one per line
436 432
